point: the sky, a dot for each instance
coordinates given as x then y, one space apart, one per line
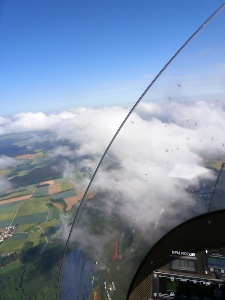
57 55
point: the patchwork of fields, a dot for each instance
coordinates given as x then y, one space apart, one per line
31 207
35 213
44 206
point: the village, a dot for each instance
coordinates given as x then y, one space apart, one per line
6 233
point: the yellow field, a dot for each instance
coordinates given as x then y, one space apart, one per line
47 182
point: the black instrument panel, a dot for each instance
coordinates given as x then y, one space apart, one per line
187 263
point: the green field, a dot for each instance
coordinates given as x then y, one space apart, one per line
7 216
25 227
35 235
18 236
50 213
64 184
47 225
31 219
41 191
8 210
14 265
11 206
12 246
55 213
16 194
5 223
33 206
30 187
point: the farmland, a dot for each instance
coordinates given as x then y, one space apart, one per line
41 191
72 200
15 199
54 189
35 202
8 245
4 172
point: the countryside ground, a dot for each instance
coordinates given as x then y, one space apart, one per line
36 202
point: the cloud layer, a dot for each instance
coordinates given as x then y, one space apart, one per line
152 178
7 162
155 176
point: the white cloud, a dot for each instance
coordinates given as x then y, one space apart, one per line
4 185
134 182
6 162
135 177
156 139
64 151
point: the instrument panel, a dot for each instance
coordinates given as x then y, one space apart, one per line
187 263
187 274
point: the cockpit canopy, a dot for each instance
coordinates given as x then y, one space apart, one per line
164 166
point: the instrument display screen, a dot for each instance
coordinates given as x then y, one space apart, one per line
182 264
187 289
216 262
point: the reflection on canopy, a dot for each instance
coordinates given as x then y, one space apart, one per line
162 169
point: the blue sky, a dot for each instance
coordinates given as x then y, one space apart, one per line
55 55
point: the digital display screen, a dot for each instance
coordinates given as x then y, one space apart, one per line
187 289
216 262
183 265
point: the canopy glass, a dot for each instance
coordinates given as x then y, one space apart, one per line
164 166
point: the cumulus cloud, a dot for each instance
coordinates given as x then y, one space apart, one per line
152 179
91 129
147 178
154 141
64 151
155 176
7 162
4 185
29 121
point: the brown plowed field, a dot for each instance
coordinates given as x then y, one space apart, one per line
25 197
58 206
90 195
54 189
70 201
